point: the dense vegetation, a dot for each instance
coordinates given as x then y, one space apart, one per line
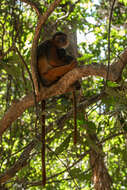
98 39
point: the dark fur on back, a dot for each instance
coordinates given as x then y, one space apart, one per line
43 49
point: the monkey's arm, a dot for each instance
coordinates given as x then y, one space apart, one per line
59 58
55 73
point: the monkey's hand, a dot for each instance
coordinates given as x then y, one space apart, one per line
73 64
57 72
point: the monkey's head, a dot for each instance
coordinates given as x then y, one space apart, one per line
60 40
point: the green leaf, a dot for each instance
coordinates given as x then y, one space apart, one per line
124 155
112 84
75 172
93 145
10 69
125 127
13 59
91 127
63 146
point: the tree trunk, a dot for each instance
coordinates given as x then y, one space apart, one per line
100 177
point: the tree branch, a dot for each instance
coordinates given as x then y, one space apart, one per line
41 21
33 5
19 164
62 86
85 104
109 32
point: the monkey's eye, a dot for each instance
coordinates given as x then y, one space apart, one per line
63 39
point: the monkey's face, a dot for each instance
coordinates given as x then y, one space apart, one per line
61 41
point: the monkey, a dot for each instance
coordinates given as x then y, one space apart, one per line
52 64
52 61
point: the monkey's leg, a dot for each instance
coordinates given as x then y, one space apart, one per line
57 72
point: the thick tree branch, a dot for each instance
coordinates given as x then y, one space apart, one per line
41 21
61 87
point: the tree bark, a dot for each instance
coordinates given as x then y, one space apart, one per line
100 177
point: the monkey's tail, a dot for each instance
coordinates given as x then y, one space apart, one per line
43 103
75 116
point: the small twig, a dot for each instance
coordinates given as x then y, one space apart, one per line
8 91
109 32
14 154
64 166
10 48
19 164
33 5
72 6
111 137
23 61
30 76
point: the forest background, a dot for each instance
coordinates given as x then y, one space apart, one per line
97 31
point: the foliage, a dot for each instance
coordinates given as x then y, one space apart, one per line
67 166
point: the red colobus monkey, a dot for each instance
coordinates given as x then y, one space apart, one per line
52 64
